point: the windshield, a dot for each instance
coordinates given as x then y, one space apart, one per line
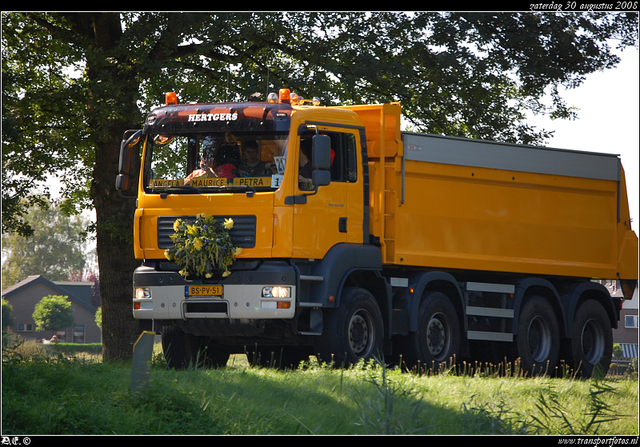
214 162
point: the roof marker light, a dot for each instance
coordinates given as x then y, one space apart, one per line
171 98
285 95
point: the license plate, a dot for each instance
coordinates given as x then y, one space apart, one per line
202 291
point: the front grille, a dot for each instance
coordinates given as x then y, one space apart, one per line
243 231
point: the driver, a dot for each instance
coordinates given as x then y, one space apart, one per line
207 162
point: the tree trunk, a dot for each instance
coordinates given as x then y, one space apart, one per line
111 109
114 219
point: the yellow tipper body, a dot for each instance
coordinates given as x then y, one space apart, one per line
455 203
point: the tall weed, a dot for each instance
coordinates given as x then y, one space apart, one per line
556 416
394 408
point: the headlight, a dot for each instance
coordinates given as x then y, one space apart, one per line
143 293
276 292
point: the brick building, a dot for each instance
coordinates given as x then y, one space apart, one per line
626 335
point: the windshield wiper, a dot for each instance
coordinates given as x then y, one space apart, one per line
177 189
230 188
247 188
250 190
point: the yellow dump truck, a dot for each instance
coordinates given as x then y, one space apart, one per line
359 240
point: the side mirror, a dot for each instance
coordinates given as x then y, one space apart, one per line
320 178
321 152
122 182
321 160
130 139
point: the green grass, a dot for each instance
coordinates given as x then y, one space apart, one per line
60 392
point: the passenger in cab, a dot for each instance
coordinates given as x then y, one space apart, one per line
252 165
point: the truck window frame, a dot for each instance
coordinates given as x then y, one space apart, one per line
344 167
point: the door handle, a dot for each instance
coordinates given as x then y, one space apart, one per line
342 225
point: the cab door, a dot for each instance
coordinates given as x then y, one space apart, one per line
326 219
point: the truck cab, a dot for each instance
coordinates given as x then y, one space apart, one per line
295 218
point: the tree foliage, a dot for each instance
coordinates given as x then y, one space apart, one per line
7 317
53 313
74 82
55 249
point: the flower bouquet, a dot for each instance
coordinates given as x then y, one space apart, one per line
203 247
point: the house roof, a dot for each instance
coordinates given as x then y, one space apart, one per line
61 288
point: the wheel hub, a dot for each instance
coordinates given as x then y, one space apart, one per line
358 334
436 336
539 337
592 342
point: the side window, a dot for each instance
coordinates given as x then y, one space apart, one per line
305 166
344 166
344 163
352 159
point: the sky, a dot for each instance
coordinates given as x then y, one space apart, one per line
607 121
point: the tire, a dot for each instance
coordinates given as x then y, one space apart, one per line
182 350
437 339
215 356
538 340
591 343
353 331
177 347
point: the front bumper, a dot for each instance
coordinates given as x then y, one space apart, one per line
164 295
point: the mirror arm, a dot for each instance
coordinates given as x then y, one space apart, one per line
122 196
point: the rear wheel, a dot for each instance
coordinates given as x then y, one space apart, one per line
592 339
538 340
353 331
437 339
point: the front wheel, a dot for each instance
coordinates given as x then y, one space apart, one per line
215 356
182 350
592 339
353 331
178 347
